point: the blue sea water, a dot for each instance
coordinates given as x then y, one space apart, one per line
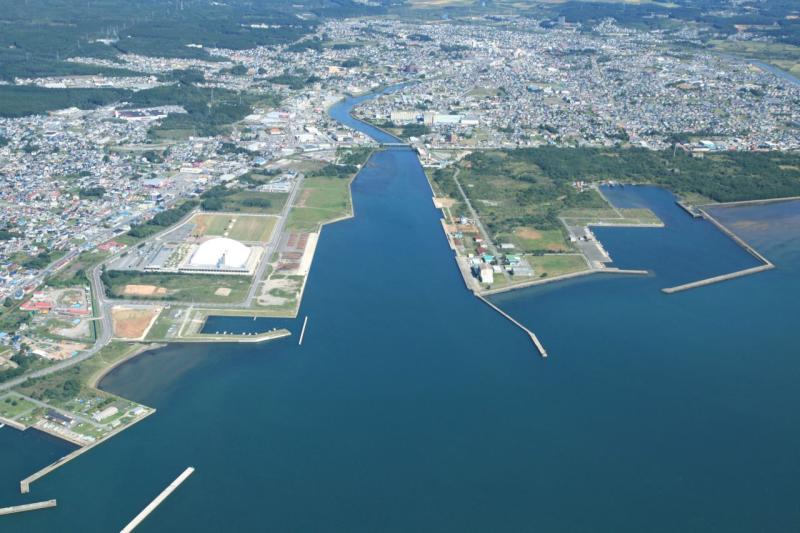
412 406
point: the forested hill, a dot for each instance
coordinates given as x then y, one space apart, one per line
36 36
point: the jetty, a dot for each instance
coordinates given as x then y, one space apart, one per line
157 501
717 279
514 321
766 264
25 484
303 331
14 509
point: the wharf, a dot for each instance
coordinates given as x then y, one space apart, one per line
27 507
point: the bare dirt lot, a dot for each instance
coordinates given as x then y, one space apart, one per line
133 323
528 233
443 202
143 290
222 291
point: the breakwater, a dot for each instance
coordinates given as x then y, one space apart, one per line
25 484
514 321
766 264
158 500
716 279
14 509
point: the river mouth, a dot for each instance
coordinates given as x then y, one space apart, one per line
412 406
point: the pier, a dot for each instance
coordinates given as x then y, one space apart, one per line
531 334
158 501
14 509
303 331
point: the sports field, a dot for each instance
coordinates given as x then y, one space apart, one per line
246 228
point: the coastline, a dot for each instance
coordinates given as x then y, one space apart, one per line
95 380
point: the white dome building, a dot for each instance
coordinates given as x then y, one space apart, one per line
222 254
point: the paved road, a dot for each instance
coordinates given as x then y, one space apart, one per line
104 326
273 244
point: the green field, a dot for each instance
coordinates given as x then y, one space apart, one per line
527 239
247 228
610 216
783 56
321 199
12 405
252 202
179 287
549 266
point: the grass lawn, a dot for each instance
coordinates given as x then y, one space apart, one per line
237 202
556 265
170 135
322 199
52 388
165 321
783 56
13 405
182 287
528 239
247 228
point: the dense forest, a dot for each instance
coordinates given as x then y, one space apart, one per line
774 14
532 186
723 177
38 35
162 220
206 109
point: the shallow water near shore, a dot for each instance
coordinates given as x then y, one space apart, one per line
412 406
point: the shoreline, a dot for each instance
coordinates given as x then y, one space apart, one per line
94 381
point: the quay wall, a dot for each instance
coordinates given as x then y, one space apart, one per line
564 277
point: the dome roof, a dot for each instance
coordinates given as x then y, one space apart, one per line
220 252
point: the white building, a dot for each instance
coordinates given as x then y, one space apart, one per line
486 274
221 255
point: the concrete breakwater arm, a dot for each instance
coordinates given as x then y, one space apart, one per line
157 501
717 279
25 484
531 334
27 507
766 263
